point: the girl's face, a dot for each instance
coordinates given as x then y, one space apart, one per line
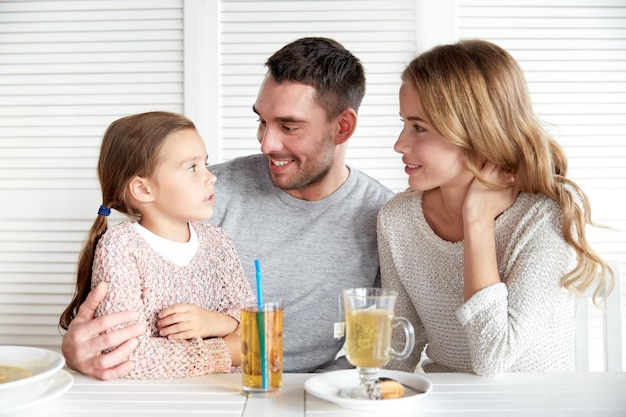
430 160
182 185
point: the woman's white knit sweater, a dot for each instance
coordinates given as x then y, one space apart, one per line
525 323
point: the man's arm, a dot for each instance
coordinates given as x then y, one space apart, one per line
86 338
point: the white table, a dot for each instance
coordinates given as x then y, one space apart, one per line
509 395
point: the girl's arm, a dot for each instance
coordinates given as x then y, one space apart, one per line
156 356
184 321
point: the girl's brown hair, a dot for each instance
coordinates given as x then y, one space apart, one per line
475 95
130 147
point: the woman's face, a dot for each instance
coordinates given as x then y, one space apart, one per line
430 160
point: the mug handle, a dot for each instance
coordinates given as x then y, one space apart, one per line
409 334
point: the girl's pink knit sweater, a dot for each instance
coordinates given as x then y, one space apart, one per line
142 280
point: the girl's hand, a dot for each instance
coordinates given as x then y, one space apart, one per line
185 321
483 204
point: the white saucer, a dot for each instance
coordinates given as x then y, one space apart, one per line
60 383
327 386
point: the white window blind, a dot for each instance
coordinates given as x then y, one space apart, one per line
67 69
573 53
381 34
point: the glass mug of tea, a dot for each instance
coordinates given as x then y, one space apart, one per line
369 323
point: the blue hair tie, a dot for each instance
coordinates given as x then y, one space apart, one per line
104 211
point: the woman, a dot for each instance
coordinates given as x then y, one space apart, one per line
487 247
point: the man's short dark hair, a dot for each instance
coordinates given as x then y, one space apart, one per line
324 64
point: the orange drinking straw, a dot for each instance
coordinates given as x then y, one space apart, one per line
260 320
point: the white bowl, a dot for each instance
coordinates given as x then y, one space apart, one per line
42 363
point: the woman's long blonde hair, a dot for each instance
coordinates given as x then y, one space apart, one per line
475 94
130 147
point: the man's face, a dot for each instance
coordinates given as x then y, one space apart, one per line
295 135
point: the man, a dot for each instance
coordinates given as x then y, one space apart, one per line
307 217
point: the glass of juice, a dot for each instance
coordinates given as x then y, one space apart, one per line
262 347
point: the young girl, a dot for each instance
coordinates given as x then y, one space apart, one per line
180 273
487 247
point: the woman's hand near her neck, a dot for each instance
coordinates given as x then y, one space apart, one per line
481 207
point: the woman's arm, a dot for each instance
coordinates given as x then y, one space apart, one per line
503 322
481 207
390 279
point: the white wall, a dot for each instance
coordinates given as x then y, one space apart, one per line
67 69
